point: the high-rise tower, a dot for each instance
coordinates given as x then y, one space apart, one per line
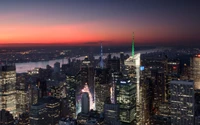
132 70
101 57
133 46
85 103
8 88
125 92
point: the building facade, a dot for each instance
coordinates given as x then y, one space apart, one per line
182 102
8 89
126 99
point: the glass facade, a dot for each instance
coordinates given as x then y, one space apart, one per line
8 89
126 98
182 103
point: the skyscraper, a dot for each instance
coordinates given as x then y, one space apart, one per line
87 75
71 94
195 71
8 88
85 103
126 99
182 102
57 67
102 87
132 70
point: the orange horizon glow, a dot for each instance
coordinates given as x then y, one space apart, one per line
84 23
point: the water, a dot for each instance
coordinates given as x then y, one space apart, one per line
24 67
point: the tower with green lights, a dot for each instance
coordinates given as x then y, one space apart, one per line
133 46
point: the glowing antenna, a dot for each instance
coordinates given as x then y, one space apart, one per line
133 46
101 56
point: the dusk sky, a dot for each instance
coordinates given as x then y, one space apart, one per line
90 21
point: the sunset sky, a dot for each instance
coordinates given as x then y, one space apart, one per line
90 21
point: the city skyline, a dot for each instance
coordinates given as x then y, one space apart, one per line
87 23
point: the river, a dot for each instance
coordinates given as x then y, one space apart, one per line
24 67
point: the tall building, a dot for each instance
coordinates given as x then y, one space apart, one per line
87 75
57 67
113 65
111 114
45 112
145 95
85 103
71 95
195 71
102 87
122 59
38 114
126 99
158 78
115 77
182 102
132 70
21 94
8 88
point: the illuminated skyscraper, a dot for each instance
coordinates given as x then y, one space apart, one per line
132 69
182 102
102 87
87 75
126 99
8 88
115 77
101 56
195 71
71 95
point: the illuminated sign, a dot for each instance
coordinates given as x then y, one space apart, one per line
123 82
141 68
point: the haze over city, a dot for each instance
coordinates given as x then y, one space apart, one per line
86 22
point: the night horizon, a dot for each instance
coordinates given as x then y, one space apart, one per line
76 23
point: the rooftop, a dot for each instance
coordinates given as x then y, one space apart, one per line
182 82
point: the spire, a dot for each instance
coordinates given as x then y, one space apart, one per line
101 57
133 46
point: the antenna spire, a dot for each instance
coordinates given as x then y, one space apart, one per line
133 46
101 56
